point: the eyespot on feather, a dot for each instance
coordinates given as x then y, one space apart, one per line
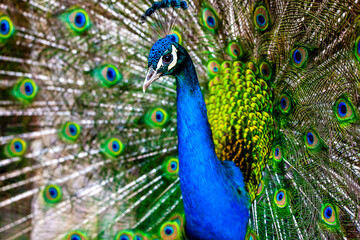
25 90
285 104
112 147
108 75
7 28
210 19
125 235
311 139
15 148
170 231
265 71
280 198
345 111
213 67
261 18
171 167
77 20
52 193
234 50
277 153
156 117
70 132
329 214
76 235
299 56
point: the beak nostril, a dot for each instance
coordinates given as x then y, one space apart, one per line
151 74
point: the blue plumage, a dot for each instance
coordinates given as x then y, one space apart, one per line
215 201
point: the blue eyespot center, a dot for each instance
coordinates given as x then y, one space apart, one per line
18 146
28 88
264 71
297 56
124 237
75 237
138 238
72 130
260 19
342 109
159 116
169 230
80 19
236 52
277 150
211 21
111 74
280 196
216 69
250 238
115 146
283 103
53 192
358 47
310 138
173 165
328 212
4 27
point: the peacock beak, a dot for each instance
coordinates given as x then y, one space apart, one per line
151 76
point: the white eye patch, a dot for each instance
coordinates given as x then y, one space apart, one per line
160 63
174 54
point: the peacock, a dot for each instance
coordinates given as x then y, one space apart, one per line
173 119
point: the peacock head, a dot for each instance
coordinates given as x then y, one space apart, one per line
166 58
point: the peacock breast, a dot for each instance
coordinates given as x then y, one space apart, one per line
239 104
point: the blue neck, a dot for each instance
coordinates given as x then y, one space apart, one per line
213 209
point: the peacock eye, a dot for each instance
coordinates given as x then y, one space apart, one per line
157 117
265 71
261 18
311 139
170 230
70 131
77 20
125 235
344 110
234 50
76 235
6 28
280 198
16 148
277 153
299 56
167 59
52 193
112 147
25 90
328 214
171 167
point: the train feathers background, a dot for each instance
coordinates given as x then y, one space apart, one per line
87 155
